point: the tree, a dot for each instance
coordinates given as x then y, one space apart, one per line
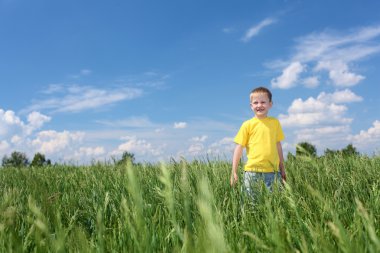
39 160
126 158
306 149
17 160
330 152
349 150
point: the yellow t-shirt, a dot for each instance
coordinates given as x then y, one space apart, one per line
260 137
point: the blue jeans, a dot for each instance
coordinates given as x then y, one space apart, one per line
251 178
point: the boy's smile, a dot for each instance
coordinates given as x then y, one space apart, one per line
260 104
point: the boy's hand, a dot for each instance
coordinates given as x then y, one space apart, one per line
283 175
234 179
235 162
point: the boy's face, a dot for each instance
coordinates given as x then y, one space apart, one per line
260 104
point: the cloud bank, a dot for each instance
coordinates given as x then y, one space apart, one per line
76 98
331 52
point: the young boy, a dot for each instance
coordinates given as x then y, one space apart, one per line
261 136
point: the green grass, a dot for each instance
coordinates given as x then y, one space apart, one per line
328 205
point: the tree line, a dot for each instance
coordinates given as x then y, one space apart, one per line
309 150
20 160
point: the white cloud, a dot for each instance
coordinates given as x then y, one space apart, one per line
195 149
325 45
81 147
83 155
339 73
339 97
50 142
17 134
36 120
4 146
165 140
94 98
322 134
322 121
180 125
9 117
16 139
368 140
311 82
254 30
222 147
80 98
140 147
90 151
289 76
323 110
202 138
14 132
198 147
333 52
313 112
11 125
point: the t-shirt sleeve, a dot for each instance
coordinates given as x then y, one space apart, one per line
280 133
241 137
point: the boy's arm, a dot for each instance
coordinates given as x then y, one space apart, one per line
281 156
235 162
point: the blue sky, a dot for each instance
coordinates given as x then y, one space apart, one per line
85 80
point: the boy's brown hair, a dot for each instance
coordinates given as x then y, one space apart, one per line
261 90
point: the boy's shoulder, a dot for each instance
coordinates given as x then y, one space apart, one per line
249 121
272 118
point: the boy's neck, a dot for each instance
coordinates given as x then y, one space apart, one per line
261 117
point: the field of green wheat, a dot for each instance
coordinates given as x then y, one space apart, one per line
328 205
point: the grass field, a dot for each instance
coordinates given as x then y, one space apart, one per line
328 205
